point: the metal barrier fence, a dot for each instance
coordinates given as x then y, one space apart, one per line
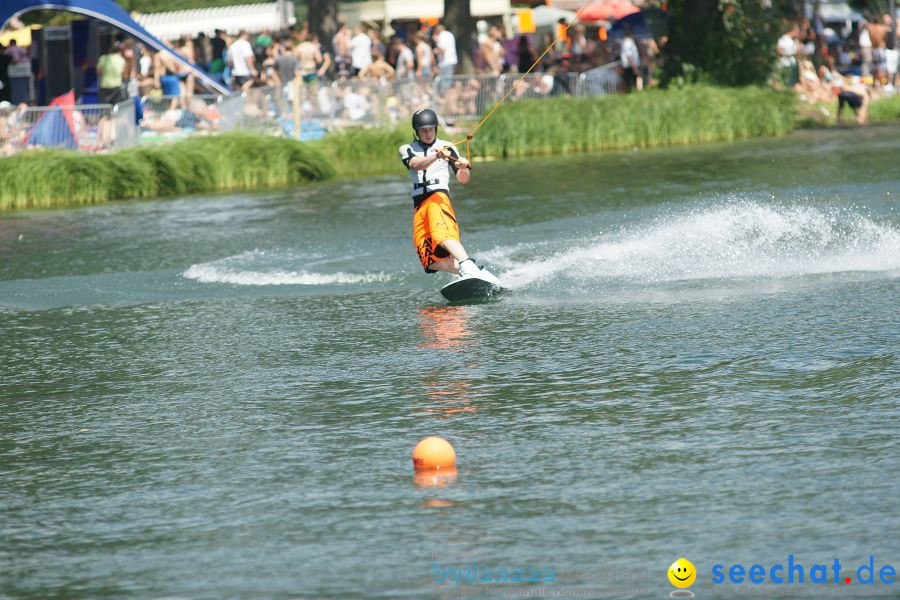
355 103
600 81
84 127
180 115
230 108
123 126
323 106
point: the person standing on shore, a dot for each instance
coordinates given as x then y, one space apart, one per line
445 50
787 56
242 62
406 61
312 62
424 58
360 50
341 44
110 73
435 230
878 34
631 62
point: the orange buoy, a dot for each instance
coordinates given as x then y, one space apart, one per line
433 453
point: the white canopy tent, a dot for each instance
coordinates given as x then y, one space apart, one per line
231 19
388 10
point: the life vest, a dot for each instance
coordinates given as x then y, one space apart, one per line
435 178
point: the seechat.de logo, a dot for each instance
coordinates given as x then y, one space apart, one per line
682 574
795 572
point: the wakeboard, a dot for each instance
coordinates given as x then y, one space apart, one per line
470 288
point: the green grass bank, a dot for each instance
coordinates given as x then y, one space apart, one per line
232 161
882 110
244 161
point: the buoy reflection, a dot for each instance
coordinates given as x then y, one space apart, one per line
435 478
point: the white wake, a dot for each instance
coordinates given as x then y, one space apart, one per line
262 268
738 240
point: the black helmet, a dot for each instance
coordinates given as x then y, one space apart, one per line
424 118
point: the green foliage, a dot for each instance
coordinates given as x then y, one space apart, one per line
870 8
722 42
365 151
227 162
885 109
691 115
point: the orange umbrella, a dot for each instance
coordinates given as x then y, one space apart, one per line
605 10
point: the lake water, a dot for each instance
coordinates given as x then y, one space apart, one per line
219 396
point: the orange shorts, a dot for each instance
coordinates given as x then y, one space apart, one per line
433 223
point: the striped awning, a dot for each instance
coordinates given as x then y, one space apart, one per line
231 19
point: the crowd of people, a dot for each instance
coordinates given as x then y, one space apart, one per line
362 62
366 66
851 67
374 76
368 76
419 54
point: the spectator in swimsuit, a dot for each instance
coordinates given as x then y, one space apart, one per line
424 58
878 34
165 77
312 63
856 96
379 69
185 49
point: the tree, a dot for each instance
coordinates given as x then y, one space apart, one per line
724 42
458 19
323 21
870 8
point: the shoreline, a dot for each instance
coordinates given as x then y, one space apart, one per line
247 161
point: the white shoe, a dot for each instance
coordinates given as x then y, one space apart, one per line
468 268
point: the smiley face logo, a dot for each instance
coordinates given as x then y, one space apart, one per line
682 573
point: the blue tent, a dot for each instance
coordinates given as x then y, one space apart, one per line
55 128
109 12
52 131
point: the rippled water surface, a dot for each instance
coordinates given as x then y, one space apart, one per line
218 396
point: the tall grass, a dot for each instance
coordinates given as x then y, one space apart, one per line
885 109
692 115
227 162
366 151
